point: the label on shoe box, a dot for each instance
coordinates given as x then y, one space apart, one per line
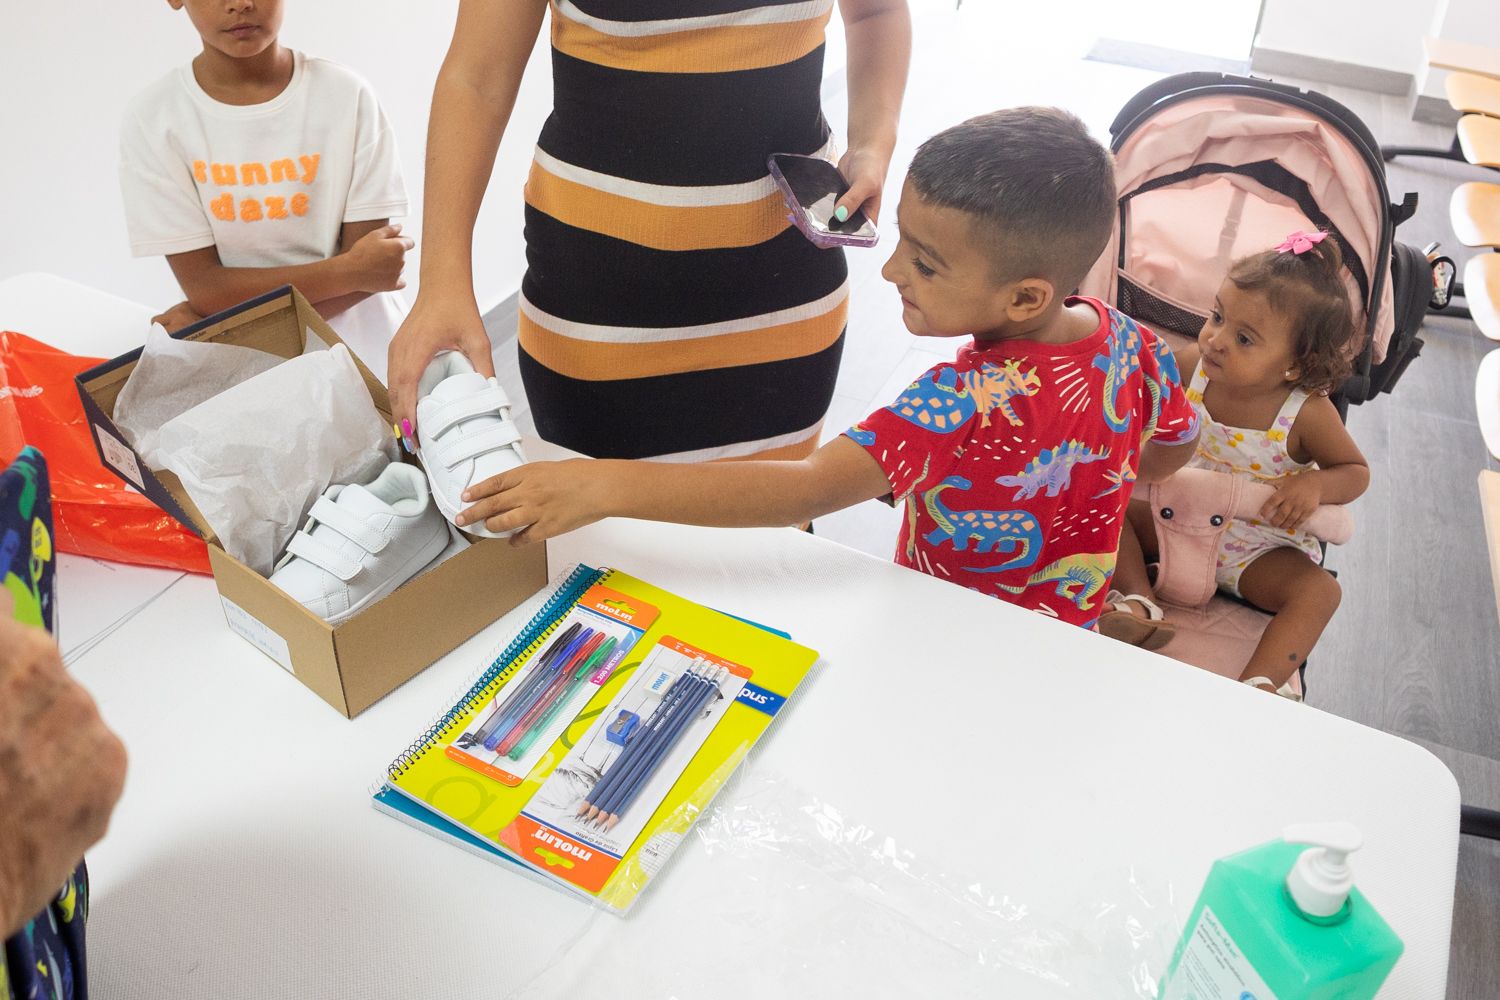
261 635
119 457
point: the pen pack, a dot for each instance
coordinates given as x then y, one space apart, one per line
526 716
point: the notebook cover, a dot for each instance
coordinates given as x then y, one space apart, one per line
489 810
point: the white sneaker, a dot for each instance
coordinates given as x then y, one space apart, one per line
463 420
362 542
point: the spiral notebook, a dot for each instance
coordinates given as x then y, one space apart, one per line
533 824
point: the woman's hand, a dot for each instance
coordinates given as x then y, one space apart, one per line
865 170
437 322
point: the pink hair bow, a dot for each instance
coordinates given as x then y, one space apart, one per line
1300 242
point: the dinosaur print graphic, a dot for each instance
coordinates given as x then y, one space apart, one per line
1012 465
1166 367
1119 478
994 386
1052 470
1156 397
940 403
1088 572
1124 345
989 530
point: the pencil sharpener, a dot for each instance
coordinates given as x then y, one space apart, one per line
619 731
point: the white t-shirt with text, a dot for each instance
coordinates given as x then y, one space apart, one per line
268 185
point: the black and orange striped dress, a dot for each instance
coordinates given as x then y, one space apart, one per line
669 310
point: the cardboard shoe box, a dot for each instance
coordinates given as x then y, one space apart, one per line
354 664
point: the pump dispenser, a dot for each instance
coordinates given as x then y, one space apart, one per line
1284 921
1320 881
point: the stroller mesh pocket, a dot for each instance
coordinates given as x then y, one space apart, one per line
1155 312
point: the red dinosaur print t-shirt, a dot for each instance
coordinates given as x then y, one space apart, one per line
1016 461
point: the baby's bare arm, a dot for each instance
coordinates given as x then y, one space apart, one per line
1159 461
1320 436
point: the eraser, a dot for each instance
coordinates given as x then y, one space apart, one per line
656 684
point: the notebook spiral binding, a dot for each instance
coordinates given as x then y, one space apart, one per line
523 644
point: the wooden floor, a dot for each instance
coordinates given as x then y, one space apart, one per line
1415 648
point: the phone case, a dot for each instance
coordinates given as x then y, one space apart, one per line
819 238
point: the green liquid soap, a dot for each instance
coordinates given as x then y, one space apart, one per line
1283 921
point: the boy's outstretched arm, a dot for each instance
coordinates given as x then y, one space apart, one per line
370 260
551 498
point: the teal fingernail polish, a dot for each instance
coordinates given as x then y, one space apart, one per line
841 213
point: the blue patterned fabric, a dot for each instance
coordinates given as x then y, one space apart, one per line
45 961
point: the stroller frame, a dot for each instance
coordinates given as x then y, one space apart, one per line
1406 263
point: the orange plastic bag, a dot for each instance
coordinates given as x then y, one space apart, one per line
94 513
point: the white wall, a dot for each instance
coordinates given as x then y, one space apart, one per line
1380 34
1464 21
68 69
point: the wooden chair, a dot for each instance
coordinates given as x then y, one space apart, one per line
1474 212
1487 400
1479 138
1472 88
1462 57
1489 503
1482 291
1469 94
1472 94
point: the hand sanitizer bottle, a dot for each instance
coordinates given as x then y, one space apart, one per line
1283 921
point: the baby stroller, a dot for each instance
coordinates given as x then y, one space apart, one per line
1212 167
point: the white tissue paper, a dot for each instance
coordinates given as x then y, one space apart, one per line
256 454
173 376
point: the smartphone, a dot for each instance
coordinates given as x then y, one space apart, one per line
811 187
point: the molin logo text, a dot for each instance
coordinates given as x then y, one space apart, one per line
566 846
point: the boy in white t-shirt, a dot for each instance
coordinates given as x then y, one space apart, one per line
255 166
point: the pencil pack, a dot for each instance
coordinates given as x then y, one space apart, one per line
602 793
585 766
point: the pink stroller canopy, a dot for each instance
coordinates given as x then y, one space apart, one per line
1211 178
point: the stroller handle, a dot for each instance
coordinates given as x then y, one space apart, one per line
1201 493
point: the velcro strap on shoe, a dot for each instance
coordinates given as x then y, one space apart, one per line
482 443
348 524
305 546
486 402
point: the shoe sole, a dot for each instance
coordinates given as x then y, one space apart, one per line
425 555
1135 631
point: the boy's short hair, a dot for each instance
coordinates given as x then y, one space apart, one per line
1040 188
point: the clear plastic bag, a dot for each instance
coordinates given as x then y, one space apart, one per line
787 896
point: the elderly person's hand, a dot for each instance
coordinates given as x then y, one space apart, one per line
61 771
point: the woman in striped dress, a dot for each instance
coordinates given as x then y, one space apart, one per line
668 308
